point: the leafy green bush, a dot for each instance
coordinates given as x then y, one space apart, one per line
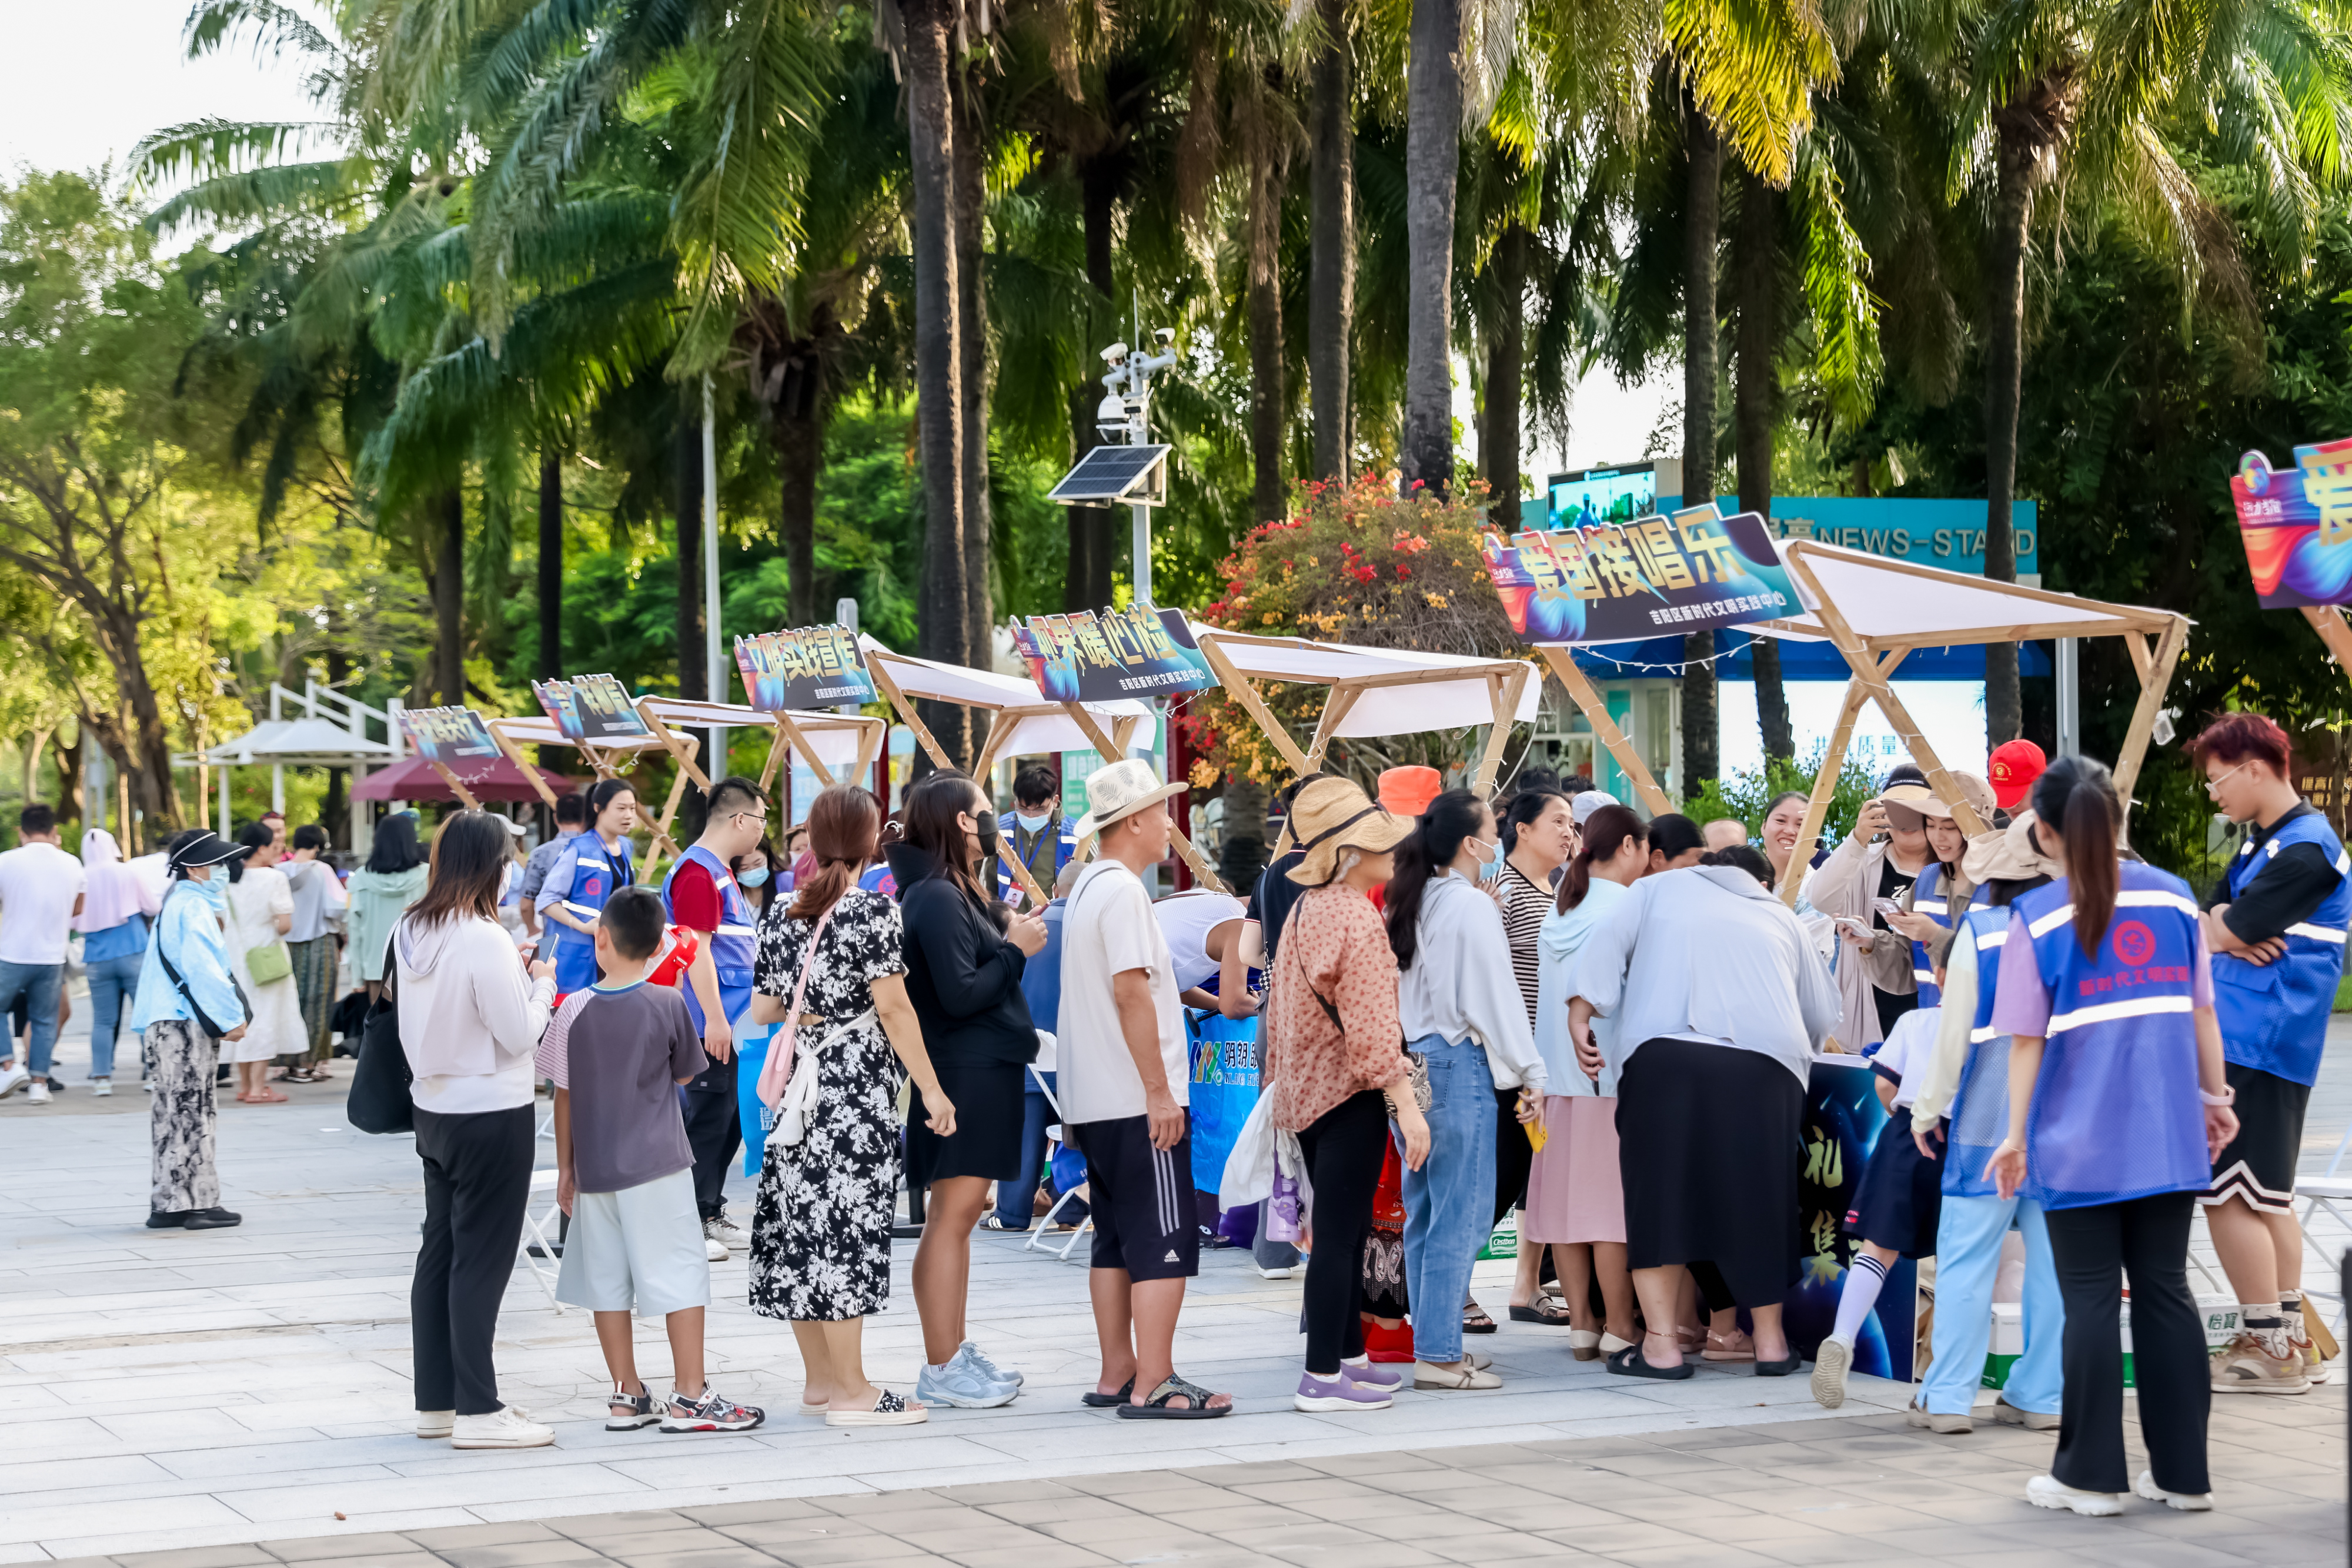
1745 795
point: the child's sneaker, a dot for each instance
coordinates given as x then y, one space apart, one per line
2049 1492
978 1357
962 1383
711 1413
2186 1501
625 1412
1340 1392
1830 1364
504 1427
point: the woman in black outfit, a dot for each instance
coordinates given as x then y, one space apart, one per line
965 954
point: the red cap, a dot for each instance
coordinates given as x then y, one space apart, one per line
2012 768
1407 792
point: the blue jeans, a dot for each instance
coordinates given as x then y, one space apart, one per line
1017 1201
40 985
113 983
1449 1203
1967 1255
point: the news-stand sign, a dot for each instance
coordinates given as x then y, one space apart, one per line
2297 524
1648 577
593 709
453 740
803 668
1138 651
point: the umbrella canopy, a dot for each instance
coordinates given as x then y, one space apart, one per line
413 779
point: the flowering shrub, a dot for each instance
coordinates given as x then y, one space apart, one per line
1352 563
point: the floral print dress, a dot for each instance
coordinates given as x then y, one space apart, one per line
821 1229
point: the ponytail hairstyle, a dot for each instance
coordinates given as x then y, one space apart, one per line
2078 794
1605 832
842 824
1453 817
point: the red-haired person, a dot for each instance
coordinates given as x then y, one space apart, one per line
2276 931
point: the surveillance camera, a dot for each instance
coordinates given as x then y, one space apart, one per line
1111 412
1114 354
1166 335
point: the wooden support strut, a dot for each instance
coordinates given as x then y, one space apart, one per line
2329 621
2155 676
514 755
1604 729
1817 804
930 744
1237 687
1184 846
1335 708
1504 690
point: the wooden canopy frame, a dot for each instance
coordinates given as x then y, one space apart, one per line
513 734
666 716
893 673
1238 658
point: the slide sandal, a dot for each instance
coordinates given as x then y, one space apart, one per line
890 1410
1628 1362
1095 1400
1158 1410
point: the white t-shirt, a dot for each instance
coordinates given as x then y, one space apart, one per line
1905 1055
39 884
1107 930
1186 919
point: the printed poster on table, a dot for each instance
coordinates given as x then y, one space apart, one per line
803 668
1650 577
595 708
452 737
2297 524
1138 651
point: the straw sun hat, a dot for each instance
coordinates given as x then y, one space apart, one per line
2009 855
1334 814
1119 790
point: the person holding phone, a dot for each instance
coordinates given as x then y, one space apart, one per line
1878 861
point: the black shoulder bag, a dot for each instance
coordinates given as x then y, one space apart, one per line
379 1101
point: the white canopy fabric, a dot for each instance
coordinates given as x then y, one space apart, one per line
1894 604
1378 710
834 737
926 678
298 743
546 732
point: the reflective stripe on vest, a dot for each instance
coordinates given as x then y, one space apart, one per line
1978 1118
734 947
2274 1016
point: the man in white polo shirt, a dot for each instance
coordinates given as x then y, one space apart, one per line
41 889
1125 1077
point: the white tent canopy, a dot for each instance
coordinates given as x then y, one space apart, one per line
1028 722
1888 603
546 732
298 743
1420 699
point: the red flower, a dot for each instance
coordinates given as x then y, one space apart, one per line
1403 571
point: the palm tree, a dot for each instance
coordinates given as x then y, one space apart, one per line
1331 297
1433 158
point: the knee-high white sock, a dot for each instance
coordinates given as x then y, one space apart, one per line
1861 1293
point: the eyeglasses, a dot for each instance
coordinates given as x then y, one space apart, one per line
762 817
2213 785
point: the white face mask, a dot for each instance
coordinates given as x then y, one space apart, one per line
1030 824
1490 865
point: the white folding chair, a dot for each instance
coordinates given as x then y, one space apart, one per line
2332 1192
539 1231
1038 1229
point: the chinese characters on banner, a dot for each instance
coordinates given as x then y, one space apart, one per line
1647 577
805 667
1139 652
2297 524
454 739
590 707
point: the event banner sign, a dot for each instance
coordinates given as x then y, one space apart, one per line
803 668
452 738
2297 524
1692 572
595 708
1138 651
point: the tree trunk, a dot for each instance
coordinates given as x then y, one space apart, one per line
1243 854
798 432
1331 295
1701 204
1756 412
943 604
1269 494
550 567
1499 443
971 333
686 455
1085 581
72 803
449 597
1433 153
2004 375
32 749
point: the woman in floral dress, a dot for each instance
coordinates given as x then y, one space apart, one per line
821 1230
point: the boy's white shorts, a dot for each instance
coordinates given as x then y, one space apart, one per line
640 1248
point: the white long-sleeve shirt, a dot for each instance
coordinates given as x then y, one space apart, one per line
1462 984
471 1016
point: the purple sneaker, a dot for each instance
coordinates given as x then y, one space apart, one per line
1339 1393
1370 1375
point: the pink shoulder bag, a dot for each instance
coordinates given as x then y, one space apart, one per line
778 1070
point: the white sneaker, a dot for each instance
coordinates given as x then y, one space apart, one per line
1830 1364
100 1088
39 1091
2186 1501
727 1232
12 1077
714 1248
2049 1492
436 1423
504 1427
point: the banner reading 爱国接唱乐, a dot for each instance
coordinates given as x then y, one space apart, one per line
452 738
1138 651
2297 524
1650 577
595 708
801 668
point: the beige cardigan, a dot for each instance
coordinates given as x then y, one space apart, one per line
1844 884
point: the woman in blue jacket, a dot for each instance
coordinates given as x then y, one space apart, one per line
593 867
186 1005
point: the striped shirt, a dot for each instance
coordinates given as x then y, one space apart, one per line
1524 907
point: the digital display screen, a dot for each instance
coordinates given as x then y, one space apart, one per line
1598 496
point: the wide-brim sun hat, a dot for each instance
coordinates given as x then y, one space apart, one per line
1911 797
1334 814
1119 790
1973 790
2008 855
209 850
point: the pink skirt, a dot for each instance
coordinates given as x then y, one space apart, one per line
1574 1191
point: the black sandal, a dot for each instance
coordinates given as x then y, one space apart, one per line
1157 1407
1779 1368
1628 1362
1476 1320
1544 1312
1094 1400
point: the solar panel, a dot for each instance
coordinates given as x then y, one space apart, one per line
1108 474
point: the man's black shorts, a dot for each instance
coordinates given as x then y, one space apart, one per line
1143 1202
2258 1165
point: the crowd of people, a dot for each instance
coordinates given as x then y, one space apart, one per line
1545 1003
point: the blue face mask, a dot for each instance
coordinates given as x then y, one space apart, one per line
213 891
754 877
1030 824
1490 871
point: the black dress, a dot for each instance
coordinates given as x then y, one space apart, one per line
964 980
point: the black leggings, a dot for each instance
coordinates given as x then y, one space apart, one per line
477 1181
2093 1249
1344 1149
1514 1155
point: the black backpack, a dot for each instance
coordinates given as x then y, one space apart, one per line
379 1101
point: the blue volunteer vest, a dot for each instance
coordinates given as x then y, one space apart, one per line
2274 1016
593 882
2116 1110
1978 1118
732 945
1928 898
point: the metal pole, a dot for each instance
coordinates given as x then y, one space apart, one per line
224 800
2070 697
714 682
1142 554
276 770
